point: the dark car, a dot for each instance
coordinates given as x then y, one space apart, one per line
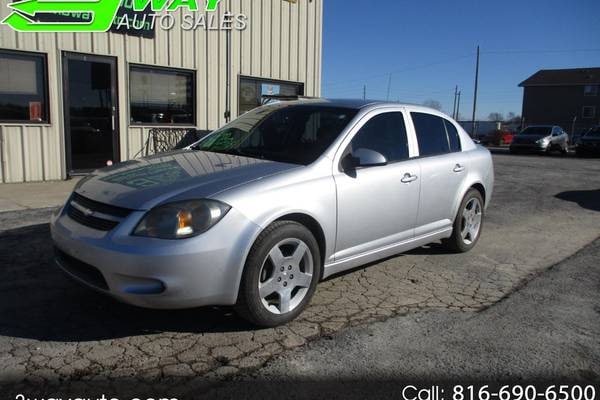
589 144
541 139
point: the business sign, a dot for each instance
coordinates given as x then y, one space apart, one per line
134 17
138 27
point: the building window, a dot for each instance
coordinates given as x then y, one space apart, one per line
161 96
253 90
589 112
590 90
23 87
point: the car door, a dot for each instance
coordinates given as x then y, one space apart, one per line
443 168
555 138
377 206
563 138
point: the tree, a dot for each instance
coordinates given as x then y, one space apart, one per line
495 116
436 105
512 117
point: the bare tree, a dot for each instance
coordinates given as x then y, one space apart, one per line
436 105
495 116
512 117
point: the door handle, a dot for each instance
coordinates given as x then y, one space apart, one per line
408 178
458 168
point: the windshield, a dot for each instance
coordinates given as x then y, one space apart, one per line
593 133
295 133
537 130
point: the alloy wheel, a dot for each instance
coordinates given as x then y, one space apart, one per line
471 221
285 276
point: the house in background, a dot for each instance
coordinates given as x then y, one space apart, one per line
569 98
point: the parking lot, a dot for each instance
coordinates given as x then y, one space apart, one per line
544 209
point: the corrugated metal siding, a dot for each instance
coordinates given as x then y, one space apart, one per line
282 41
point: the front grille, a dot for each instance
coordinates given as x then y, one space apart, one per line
91 221
87 273
522 141
101 207
95 215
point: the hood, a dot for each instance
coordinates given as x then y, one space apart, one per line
144 183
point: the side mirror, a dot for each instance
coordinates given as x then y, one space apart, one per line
363 158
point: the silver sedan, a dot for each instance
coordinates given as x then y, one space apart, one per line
258 212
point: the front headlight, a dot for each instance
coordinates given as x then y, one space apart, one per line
181 220
543 141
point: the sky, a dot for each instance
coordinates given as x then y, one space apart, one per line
428 47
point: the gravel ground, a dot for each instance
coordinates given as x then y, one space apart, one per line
54 332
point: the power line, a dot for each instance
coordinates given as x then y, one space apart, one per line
538 51
404 69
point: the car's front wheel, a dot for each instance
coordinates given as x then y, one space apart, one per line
280 275
467 224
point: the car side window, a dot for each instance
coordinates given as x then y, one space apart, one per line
431 134
453 138
386 134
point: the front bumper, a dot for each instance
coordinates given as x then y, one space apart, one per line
532 147
156 273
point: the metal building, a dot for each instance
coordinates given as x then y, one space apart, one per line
70 102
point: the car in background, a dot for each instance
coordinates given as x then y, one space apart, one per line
589 143
541 139
498 137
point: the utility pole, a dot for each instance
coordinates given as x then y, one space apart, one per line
474 130
364 92
458 106
227 114
389 88
454 106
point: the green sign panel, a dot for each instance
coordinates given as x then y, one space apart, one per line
92 15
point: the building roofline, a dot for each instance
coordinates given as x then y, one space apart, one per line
571 77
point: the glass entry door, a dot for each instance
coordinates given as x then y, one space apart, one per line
91 115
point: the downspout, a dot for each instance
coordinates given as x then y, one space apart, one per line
228 69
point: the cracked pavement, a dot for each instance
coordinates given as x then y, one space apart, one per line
54 332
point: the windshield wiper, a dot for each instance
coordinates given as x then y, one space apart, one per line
232 152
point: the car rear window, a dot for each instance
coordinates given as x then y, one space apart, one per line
453 137
431 134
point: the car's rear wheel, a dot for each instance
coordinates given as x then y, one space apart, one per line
467 224
280 275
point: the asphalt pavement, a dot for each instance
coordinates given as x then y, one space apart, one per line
61 336
549 329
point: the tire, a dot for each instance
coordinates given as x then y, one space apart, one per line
277 285
457 242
